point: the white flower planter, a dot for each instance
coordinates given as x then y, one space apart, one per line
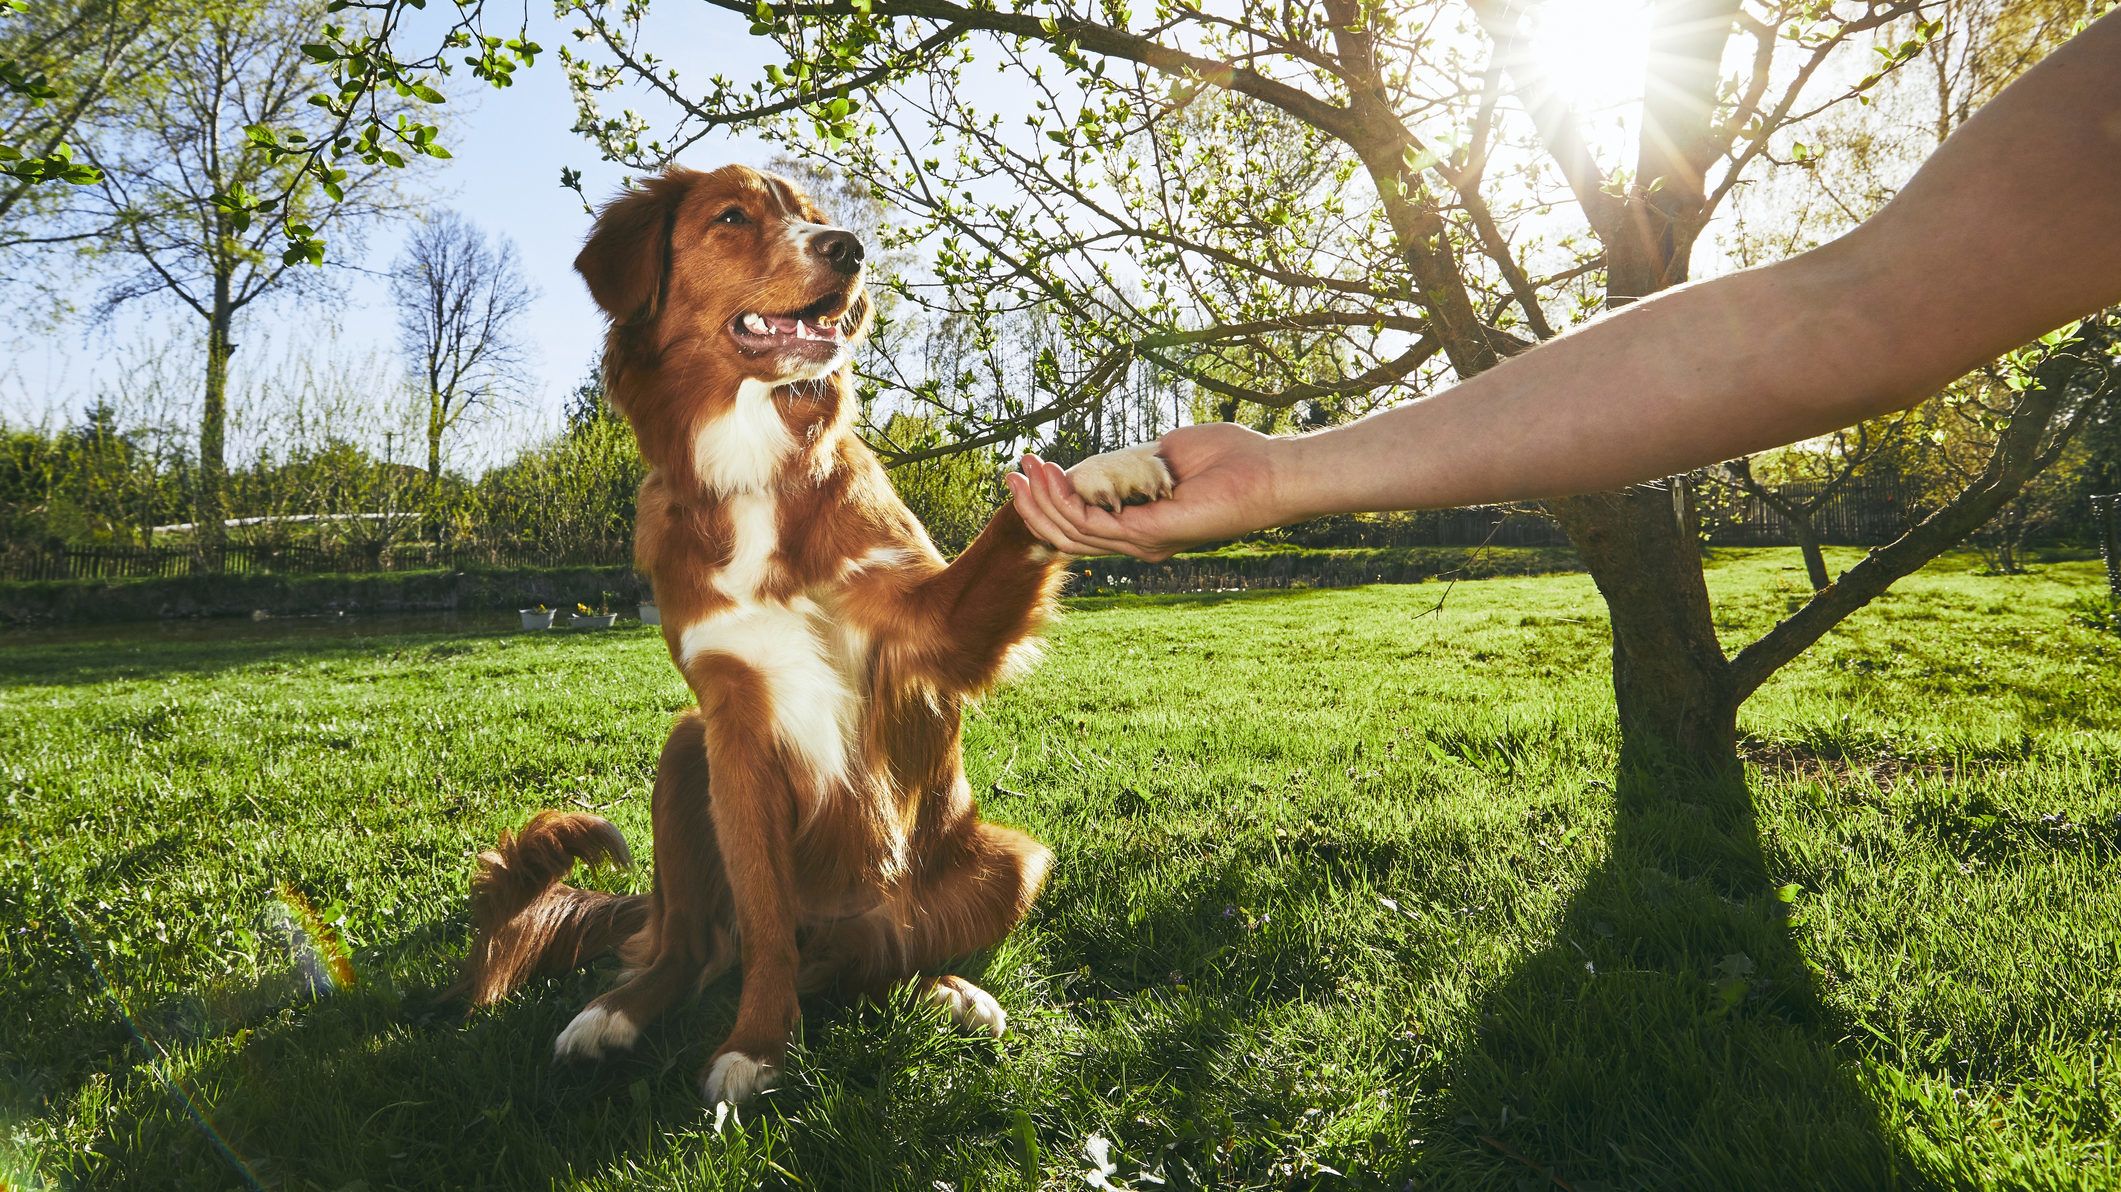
592 621
650 615
534 619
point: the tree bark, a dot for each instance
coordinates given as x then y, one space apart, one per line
434 438
435 418
1814 557
210 537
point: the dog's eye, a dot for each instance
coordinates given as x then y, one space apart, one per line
735 215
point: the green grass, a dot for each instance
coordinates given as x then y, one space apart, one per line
1348 894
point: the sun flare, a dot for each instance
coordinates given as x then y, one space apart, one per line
1592 52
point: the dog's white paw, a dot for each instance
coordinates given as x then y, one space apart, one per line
735 1078
970 1007
594 1032
1117 478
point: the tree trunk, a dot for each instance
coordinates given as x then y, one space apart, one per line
434 468
1814 557
1670 679
210 512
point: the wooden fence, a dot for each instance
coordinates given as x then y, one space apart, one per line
1299 569
1862 513
140 562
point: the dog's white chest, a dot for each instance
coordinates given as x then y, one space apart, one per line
806 669
753 537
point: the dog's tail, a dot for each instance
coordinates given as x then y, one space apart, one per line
532 924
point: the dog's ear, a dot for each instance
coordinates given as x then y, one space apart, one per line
628 251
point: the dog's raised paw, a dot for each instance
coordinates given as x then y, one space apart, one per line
970 1007
1127 477
595 1032
736 1078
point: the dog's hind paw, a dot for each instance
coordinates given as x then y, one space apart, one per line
594 1032
1128 477
970 1007
736 1078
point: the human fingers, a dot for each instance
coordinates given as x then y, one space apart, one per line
1076 518
1032 505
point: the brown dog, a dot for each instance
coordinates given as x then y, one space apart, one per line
812 818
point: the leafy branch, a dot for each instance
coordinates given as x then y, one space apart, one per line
364 68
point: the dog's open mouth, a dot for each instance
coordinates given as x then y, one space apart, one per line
819 329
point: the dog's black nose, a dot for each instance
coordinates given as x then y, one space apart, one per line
841 248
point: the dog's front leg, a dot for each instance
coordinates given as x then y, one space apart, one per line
753 809
956 625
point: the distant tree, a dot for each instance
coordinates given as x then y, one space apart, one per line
237 68
104 478
589 405
570 499
29 465
2101 470
321 424
1799 483
461 298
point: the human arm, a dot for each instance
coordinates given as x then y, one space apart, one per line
2011 228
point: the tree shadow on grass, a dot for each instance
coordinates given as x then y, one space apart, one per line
1670 1035
376 1089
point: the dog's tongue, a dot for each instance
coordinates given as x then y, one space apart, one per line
783 325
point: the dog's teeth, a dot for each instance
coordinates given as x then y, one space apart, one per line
757 325
803 331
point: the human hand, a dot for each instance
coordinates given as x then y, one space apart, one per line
1227 485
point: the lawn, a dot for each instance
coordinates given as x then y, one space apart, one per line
1348 894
